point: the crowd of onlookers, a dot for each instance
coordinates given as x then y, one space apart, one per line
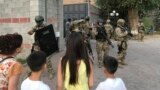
75 69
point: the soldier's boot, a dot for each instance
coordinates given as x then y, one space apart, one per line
50 68
119 63
142 38
120 66
123 62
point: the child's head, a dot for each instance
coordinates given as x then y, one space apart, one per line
110 64
37 61
10 44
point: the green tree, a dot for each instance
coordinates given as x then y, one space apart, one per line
135 8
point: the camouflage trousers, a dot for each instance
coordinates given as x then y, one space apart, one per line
141 36
102 48
50 68
122 51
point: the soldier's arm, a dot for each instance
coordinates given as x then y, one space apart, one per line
112 30
120 34
109 41
94 32
31 31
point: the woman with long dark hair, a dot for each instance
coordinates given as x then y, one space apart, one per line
75 70
10 70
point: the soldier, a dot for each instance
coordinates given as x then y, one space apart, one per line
87 33
83 26
39 25
141 30
68 25
121 36
102 43
109 29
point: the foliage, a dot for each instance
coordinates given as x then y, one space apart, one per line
141 5
148 21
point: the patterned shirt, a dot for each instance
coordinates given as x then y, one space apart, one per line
8 68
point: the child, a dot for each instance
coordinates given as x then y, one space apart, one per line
10 69
37 63
111 83
75 70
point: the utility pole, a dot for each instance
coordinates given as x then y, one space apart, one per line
46 11
89 2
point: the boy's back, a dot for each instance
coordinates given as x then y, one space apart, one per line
28 84
112 84
37 63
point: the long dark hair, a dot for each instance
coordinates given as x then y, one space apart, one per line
76 50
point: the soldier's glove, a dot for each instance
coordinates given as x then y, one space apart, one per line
30 32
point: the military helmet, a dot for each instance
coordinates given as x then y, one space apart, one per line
108 21
87 18
121 22
39 19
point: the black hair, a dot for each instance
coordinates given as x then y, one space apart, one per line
9 43
76 50
110 64
69 19
36 60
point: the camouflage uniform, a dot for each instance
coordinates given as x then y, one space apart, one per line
141 30
102 43
83 27
121 36
75 25
87 33
39 25
109 29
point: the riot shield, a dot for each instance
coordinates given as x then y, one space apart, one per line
47 40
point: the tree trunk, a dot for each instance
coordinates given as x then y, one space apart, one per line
133 18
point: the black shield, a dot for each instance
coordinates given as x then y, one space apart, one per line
47 40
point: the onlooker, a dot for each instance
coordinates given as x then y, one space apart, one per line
57 39
10 70
67 25
37 63
75 70
111 83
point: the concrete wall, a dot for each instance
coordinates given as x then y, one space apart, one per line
94 14
75 10
18 16
81 10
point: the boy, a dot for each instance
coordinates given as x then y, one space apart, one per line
37 63
111 83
